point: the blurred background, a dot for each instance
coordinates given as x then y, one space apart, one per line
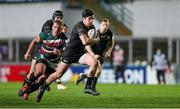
139 27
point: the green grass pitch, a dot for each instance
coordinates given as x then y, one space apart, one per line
112 96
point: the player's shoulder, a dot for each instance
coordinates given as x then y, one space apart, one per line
79 27
63 36
44 35
49 21
79 24
47 26
109 31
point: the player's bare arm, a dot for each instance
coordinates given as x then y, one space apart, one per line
89 50
87 41
27 55
111 44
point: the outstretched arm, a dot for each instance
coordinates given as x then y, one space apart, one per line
27 55
90 51
109 48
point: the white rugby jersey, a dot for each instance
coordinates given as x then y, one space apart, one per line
160 61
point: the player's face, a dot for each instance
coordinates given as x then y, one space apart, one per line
65 29
158 51
56 29
88 21
58 18
103 26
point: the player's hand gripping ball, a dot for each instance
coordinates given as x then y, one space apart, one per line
92 33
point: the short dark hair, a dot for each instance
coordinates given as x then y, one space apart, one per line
64 25
60 23
87 12
57 13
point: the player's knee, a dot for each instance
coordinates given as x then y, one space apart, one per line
38 73
94 63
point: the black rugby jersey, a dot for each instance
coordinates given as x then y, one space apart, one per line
99 47
75 46
47 26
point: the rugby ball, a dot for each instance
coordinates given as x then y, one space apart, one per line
91 33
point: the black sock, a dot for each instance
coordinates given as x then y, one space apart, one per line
25 81
31 79
94 82
44 86
33 87
88 82
85 76
59 82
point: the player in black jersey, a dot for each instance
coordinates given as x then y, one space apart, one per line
47 26
103 49
75 52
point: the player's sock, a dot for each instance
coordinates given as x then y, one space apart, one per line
58 82
26 87
88 89
41 81
33 88
32 78
81 78
94 82
25 81
42 89
88 82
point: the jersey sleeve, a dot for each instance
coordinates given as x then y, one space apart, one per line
81 30
42 35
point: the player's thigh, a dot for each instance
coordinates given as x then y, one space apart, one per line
40 67
87 59
33 62
62 67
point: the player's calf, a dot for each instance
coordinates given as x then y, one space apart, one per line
41 91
